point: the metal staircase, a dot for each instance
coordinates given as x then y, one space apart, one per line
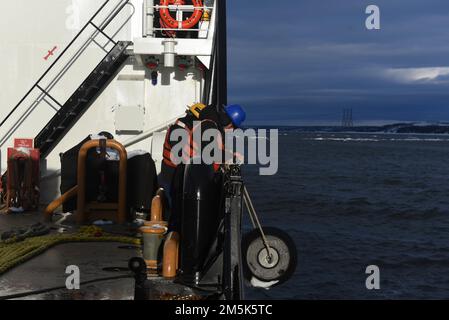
70 111
81 99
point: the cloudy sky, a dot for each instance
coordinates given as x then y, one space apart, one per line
303 61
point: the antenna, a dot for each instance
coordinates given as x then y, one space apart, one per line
347 120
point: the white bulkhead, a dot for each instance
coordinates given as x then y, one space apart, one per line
135 103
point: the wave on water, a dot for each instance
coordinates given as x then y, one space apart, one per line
419 214
342 139
377 139
366 136
356 200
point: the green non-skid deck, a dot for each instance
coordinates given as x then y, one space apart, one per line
47 269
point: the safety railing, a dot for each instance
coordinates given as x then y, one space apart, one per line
99 29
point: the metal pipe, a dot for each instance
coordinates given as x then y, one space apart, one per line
48 213
149 133
144 18
156 209
149 18
171 256
187 7
81 201
178 29
250 214
255 218
221 81
169 53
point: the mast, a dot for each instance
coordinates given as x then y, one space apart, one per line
232 270
220 97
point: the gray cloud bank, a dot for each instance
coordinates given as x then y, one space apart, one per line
303 61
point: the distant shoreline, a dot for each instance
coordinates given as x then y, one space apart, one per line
398 128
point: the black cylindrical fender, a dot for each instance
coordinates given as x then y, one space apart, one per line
200 219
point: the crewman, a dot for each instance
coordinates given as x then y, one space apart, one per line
204 117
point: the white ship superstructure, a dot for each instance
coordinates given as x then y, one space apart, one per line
80 67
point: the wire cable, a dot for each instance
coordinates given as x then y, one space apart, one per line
41 291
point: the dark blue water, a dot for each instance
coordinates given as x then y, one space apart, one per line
353 200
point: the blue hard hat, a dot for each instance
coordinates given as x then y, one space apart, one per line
236 113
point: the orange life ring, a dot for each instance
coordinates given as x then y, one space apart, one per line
186 24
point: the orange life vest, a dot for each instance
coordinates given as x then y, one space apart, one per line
190 150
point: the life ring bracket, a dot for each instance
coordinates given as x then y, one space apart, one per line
189 23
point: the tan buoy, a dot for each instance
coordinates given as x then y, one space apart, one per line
152 240
170 258
154 232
